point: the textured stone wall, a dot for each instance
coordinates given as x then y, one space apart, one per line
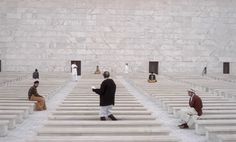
183 35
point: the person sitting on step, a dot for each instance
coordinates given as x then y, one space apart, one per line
97 70
107 97
152 78
190 114
34 96
35 74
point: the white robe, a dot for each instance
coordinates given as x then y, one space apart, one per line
188 115
74 69
126 69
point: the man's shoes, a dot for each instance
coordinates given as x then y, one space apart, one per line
103 118
183 126
112 117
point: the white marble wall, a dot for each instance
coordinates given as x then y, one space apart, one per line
183 35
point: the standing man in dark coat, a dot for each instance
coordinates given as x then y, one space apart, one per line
107 97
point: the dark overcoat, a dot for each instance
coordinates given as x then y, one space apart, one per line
196 103
107 92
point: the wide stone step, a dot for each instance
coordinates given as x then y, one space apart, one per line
218 116
26 110
174 110
18 96
212 132
169 106
167 92
19 116
17 101
158 138
187 99
91 112
211 112
23 98
14 112
115 131
97 101
96 117
201 124
204 102
30 104
98 108
87 87
90 93
11 118
93 105
96 96
226 138
184 96
85 123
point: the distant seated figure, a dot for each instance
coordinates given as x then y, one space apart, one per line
34 96
36 74
152 78
189 115
97 70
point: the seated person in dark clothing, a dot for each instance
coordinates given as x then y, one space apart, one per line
34 96
107 97
152 78
36 74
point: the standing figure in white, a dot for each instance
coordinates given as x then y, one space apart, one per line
74 71
126 68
